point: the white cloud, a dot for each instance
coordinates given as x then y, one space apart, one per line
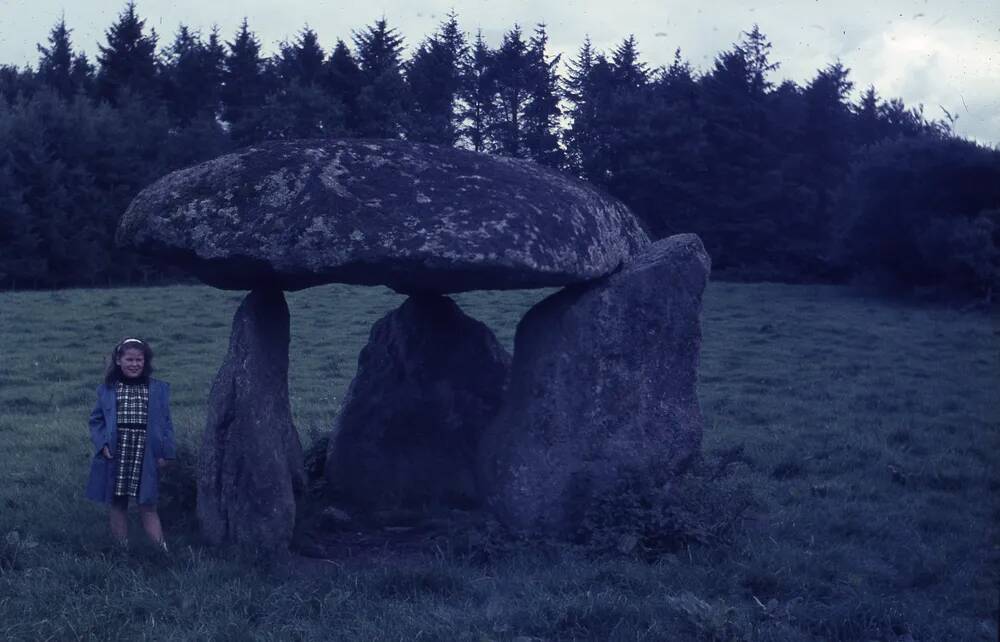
956 67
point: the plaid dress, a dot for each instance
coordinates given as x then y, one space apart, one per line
133 407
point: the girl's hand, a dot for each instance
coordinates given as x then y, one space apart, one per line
105 453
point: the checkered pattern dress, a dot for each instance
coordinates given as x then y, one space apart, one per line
133 407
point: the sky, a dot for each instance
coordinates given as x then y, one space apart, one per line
944 54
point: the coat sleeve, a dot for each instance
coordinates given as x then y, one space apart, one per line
98 426
168 448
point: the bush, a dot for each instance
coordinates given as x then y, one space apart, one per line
179 490
923 213
703 505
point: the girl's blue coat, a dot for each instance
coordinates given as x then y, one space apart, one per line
104 432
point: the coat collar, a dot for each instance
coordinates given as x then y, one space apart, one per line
108 391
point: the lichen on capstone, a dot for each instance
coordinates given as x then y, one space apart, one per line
414 217
330 176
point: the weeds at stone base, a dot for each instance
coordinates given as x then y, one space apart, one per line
704 505
179 489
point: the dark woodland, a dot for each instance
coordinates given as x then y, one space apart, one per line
782 182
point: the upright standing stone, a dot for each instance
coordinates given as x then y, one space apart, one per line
429 381
250 467
602 385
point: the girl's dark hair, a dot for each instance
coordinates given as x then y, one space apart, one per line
113 374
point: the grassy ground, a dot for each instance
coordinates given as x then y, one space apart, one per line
869 433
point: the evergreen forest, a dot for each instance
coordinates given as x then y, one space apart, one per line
783 182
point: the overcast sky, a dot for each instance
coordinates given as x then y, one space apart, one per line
942 53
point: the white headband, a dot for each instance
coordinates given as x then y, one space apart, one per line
129 340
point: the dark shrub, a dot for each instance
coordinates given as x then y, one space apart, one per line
703 505
923 213
178 490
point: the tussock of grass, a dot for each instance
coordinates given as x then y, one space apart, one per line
705 505
848 489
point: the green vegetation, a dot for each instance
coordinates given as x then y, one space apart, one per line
865 431
786 182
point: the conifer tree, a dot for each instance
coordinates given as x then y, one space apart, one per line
21 262
623 94
192 74
301 61
477 105
16 84
452 38
513 71
542 112
50 144
816 159
578 91
128 60
429 119
578 73
55 63
742 160
379 48
214 65
827 117
244 87
867 123
301 110
902 121
82 74
678 79
755 51
591 90
630 73
301 105
343 82
382 99
434 78
666 163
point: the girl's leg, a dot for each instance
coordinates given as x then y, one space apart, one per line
151 524
118 518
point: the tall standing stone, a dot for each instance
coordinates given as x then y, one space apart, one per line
602 385
250 466
429 381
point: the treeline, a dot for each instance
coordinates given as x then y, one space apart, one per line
783 182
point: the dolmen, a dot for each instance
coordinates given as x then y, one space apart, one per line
601 383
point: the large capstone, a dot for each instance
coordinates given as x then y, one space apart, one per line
428 382
415 217
250 467
602 387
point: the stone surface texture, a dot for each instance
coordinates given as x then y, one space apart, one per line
250 467
415 217
602 385
428 382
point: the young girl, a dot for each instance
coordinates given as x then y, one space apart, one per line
133 437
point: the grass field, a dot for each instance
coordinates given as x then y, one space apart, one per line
869 434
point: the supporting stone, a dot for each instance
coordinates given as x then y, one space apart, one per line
250 467
602 385
429 380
